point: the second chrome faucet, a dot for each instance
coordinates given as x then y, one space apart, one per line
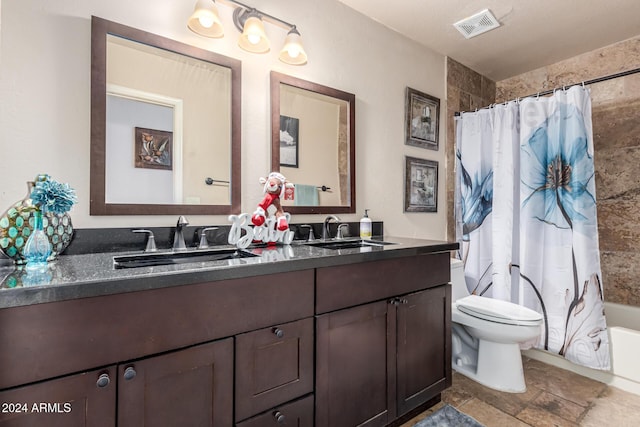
326 233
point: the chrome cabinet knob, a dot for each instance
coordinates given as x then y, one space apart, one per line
129 373
103 380
279 417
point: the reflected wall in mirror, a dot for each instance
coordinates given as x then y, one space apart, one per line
313 144
165 126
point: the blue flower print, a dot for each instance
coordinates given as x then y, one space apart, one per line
476 197
558 170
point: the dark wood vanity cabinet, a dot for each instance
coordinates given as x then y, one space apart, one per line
358 344
171 352
376 361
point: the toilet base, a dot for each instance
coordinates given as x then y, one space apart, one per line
499 366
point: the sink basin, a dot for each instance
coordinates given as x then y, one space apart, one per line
348 244
167 258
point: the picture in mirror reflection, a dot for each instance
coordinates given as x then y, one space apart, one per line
154 148
289 135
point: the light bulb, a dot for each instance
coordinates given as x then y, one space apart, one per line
206 20
253 38
294 51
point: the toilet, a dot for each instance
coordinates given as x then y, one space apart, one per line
487 334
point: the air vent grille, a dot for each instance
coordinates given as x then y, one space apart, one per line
477 24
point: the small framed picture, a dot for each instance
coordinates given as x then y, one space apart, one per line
289 127
422 114
421 185
154 149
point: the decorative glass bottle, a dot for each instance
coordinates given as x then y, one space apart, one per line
38 248
16 225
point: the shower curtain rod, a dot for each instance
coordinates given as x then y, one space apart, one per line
584 83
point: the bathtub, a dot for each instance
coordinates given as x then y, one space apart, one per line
623 325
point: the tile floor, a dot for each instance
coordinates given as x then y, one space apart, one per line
554 397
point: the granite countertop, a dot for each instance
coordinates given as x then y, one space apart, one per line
90 275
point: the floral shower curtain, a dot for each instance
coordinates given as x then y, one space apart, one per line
532 237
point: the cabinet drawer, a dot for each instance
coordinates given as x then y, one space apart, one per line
298 413
48 340
273 365
349 285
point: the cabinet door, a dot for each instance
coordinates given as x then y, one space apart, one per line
191 387
423 346
352 387
294 414
87 399
273 365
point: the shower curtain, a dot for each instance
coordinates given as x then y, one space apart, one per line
526 217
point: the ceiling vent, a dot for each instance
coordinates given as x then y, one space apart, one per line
477 24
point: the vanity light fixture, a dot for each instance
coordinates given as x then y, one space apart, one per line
205 21
253 38
292 52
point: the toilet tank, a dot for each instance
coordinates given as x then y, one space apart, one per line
458 283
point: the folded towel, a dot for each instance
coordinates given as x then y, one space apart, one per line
306 195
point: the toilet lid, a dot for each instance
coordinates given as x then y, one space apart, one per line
498 311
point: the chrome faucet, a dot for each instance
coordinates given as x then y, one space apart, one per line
178 236
340 233
326 234
310 237
204 243
151 240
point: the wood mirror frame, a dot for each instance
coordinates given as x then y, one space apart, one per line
100 29
278 79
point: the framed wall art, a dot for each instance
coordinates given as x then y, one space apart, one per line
422 113
289 127
154 149
421 185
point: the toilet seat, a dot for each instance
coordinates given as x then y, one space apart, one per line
498 311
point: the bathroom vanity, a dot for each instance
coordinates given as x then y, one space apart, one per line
300 335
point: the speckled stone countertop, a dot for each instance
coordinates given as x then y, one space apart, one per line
91 275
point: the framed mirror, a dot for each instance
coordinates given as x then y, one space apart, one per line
313 144
165 126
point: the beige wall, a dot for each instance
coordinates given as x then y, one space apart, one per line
45 99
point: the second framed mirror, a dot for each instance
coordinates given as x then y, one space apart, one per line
313 144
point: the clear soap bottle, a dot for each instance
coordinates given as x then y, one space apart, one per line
365 226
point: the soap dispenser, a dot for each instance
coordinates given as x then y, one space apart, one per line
365 226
